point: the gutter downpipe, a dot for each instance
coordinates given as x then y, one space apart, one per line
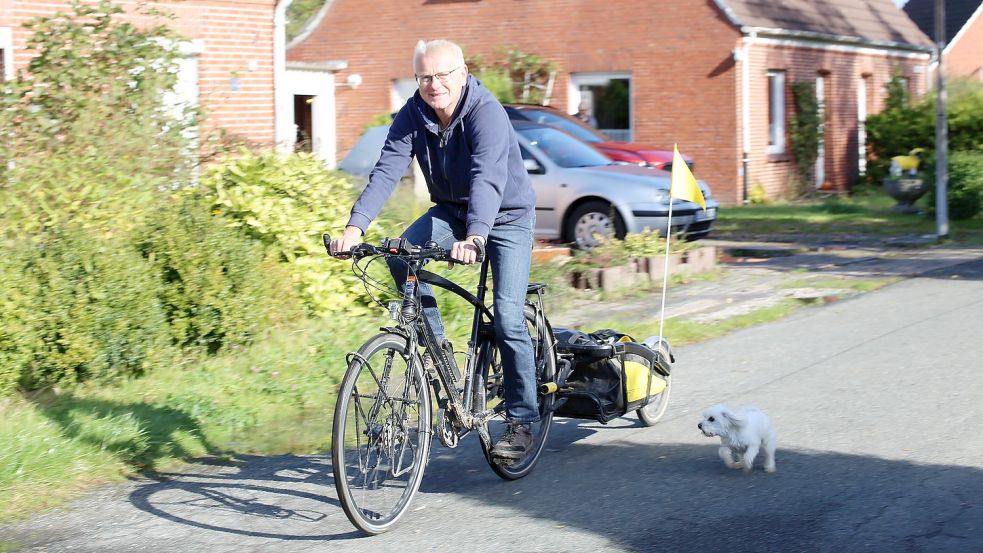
748 39
283 111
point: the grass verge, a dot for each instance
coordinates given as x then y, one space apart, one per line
868 212
274 397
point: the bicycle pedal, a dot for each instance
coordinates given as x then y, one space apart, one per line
504 462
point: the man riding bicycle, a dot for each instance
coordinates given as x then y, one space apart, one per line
466 147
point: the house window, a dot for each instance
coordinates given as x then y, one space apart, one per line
402 90
609 97
6 55
905 84
776 112
862 124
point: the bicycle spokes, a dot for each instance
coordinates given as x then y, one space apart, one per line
382 433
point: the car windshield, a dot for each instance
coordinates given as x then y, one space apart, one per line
563 149
565 125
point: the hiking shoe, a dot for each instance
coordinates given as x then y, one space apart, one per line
515 443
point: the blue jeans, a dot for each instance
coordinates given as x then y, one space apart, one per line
509 250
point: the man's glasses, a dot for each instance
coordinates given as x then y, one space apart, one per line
423 80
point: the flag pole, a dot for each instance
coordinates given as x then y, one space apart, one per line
665 270
682 185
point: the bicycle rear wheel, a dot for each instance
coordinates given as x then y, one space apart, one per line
381 433
544 350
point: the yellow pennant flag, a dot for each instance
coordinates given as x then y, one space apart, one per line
684 184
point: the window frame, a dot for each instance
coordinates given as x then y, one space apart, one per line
776 111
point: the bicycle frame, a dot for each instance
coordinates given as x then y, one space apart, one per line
457 404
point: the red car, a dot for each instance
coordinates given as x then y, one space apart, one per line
627 152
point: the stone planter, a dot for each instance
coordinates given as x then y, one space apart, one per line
645 270
906 192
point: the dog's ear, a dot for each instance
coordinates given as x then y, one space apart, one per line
734 418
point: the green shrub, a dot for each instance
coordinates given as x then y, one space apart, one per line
905 125
287 202
16 298
213 285
92 311
89 135
805 134
965 186
497 81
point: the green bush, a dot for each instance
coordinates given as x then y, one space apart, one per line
85 308
89 135
287 202
905 125
898 129
16 298
965 186
214 287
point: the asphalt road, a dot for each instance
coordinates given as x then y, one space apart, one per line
876 400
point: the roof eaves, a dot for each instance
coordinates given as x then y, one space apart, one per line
311 25
731 16
838 39
327 65
978 13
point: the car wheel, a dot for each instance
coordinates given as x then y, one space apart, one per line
592 220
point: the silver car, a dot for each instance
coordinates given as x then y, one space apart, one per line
581 193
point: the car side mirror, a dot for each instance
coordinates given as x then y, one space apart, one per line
533 166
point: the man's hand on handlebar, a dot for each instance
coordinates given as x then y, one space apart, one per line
468 251
349 239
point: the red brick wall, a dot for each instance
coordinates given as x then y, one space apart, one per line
238 41
685 85
678 54
966 54
842 70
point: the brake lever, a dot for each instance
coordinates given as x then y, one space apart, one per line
480 244
326 240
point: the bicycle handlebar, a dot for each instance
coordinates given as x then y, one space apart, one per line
402 248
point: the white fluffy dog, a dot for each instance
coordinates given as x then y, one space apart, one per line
743 431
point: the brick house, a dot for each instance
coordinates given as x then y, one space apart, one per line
714 77
963 53
232 66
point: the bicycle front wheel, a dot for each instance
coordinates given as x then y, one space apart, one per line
381 433
544 351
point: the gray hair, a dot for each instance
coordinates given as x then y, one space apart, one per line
424 48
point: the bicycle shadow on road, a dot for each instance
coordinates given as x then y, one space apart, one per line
138 433
280 497
680 497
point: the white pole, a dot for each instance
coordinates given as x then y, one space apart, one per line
941 130
665 271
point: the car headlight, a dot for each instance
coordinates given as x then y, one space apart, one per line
662 196
705 190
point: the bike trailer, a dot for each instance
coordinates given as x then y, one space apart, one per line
606 374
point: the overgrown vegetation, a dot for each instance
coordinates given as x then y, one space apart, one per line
905 125
90 132
299 14
286 203
515 76
805 133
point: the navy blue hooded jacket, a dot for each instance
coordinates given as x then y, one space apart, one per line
473 166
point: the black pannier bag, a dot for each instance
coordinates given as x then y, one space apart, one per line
609 374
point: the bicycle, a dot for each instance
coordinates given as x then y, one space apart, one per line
383 426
